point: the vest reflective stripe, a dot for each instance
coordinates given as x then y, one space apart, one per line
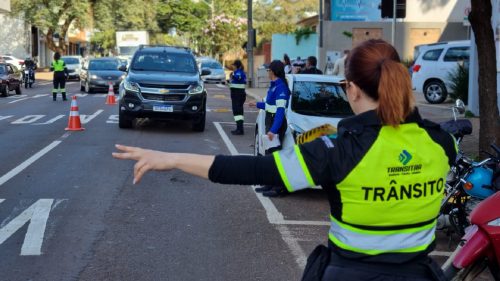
238 118
58 65
271 108
293 169
281 103
381 241
237 86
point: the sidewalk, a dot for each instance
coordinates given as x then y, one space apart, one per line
437 113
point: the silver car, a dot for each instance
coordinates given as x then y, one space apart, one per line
74 65
217 74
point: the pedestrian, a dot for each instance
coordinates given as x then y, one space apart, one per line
338 67
238 80
60 74
288 64
311 68
383 173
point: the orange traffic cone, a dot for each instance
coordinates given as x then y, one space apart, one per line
74 123
110 99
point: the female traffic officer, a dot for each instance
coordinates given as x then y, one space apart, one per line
60 73
238 95
276 124
384 173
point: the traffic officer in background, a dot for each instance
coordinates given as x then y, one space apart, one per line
275 106
60 75
384 175
237 82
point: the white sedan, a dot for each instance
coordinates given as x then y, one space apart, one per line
315 100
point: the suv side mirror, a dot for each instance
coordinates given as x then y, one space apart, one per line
205 72
122 68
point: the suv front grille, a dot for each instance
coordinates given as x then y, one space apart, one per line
170 86
167 97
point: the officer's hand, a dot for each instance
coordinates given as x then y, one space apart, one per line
270 135
252 104
146 159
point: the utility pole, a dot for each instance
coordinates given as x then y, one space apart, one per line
393 27
250 43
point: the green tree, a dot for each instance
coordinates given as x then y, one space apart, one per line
53 18
280 16
110 16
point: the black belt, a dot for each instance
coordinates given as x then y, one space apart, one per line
423 267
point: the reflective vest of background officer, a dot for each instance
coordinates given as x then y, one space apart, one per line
60 72
238 95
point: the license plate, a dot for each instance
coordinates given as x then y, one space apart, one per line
163 108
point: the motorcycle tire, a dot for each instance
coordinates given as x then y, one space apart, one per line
26 85
471 272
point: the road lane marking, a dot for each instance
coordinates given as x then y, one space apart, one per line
6 117
21 99
87 118
225 138
37 216
51 120
113 119
1 200
220 85
17 96
28 119
274 216
12 173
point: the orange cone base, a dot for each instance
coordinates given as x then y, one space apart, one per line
74 129
110 99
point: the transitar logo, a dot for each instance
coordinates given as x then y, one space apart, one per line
404 157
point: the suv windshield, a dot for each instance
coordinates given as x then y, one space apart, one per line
162 61
211 65
320 99
103 65
70 60
127 50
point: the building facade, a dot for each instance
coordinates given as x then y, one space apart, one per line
348 22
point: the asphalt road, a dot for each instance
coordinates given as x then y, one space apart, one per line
69 211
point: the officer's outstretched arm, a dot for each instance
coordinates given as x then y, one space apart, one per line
147 160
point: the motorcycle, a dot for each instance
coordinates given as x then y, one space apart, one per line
28 77
468 182
480 246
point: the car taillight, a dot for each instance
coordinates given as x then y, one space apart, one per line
21 62
416 67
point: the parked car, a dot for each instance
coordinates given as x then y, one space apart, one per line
432 66
315 100
10 79
74 65
13 61
97 73
217 73
163 82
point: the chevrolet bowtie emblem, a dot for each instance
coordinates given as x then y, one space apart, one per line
163 91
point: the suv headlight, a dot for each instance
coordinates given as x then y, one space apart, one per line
93 76
131 86
196 89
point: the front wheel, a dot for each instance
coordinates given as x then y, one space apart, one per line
124 122
199 123
4 90
18 90
472 272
